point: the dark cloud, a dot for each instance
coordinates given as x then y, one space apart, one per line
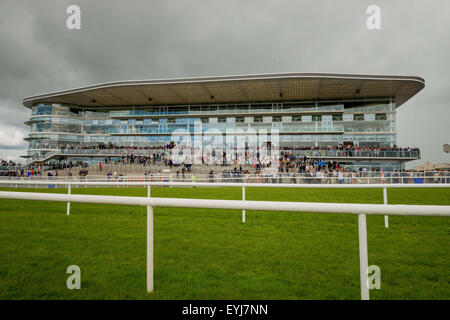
144 39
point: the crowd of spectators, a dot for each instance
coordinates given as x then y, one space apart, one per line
290 164
345 147
10 168
6 163
234 174
171 146
154 158
162 155
116 147
331 176
13 169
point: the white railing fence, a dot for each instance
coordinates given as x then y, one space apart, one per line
148 184
341 208
369 177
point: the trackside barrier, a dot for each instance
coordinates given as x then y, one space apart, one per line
364 177
222 184
340 208
68 203
386 219
385 186
243 199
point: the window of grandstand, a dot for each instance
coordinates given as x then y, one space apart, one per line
347 117
380 116
303 119
276 118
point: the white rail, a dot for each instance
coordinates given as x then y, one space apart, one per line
14 183
348 177
148 184
343 208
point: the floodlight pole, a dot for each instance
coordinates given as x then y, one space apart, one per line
386 217
363 258
68 203
243 199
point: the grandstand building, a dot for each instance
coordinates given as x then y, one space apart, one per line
307 109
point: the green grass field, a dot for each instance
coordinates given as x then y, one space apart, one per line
211 254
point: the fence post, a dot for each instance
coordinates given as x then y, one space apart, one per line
386 217
68 203
363 259
149 249
243 199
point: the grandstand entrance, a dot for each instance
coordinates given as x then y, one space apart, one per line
348 143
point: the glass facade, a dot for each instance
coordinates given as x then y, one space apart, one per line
316 123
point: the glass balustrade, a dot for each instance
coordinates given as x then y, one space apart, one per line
299 153
211 112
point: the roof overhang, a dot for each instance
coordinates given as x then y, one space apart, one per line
241 88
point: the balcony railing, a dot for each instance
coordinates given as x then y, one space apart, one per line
211 113
357 154
320 154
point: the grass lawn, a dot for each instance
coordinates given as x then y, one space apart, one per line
211 254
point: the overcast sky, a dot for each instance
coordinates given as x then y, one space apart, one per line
145 39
